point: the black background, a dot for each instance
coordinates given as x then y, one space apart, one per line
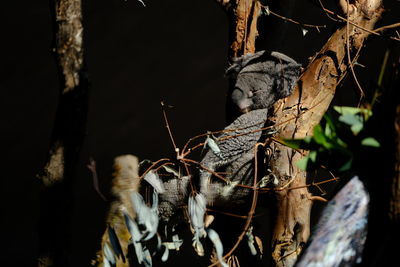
174 51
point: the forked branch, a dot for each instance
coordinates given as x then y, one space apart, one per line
317 85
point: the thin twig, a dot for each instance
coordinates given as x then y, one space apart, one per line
348 53
323 192
162 165
252 208
314 184
152 166
217 132
211 171
353 63
330 173
374 32
232 214
92 167
317 27
326 13
192 187
185 153
391 26
167 125
352 23
318 198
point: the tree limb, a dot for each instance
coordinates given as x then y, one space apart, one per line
307 104
244 16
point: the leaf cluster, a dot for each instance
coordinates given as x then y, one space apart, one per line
336 141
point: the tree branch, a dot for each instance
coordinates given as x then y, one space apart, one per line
316 89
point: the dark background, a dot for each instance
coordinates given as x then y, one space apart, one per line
174 51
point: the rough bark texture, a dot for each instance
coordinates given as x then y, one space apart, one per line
71 113
297 115
244 17
395 199
307 105
67 137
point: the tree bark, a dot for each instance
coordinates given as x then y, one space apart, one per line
243 18
67 137
296 117
243 15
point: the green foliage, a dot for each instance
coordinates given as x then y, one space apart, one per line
336 140
353 117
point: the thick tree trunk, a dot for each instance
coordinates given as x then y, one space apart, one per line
297 115
304 109
243 16
68 134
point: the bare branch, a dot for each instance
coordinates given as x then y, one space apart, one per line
317 27
92 167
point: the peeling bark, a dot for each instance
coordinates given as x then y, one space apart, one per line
67 137
246 13
297 115
244 16
304 109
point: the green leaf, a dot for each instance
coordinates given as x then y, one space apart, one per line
350 119
343 110
307 139
313 156
330 128
302 164
293 143
328 131
356 128
320 138
346 166
341 143
370 141
355 121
